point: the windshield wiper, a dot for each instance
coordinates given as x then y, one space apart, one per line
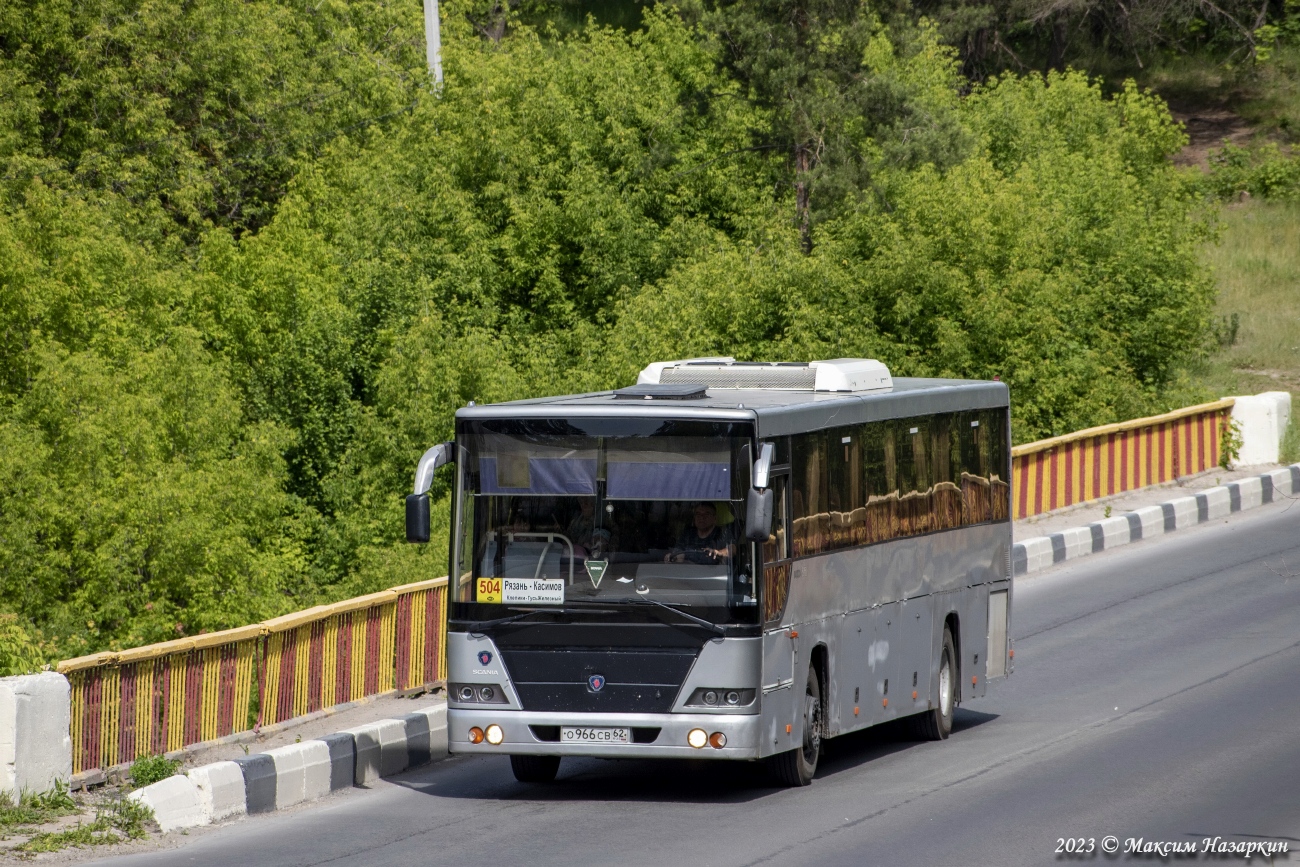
488 624
707 624
584 605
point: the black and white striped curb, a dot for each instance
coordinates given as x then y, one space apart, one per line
1041 552
305 771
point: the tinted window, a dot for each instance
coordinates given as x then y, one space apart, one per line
888 480
808 477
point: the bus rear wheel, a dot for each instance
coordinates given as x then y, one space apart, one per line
535 769
936 724
796 767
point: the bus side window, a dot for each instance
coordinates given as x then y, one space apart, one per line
976 505
995 424
811 509
777 546
947 496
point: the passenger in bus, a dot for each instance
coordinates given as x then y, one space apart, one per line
532 515
705 541
588 540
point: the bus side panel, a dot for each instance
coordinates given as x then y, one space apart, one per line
778 712
855 579
999 662
868 657
916 617
974 640
778 659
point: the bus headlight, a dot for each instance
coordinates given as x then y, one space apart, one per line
494 735
715 697
479 693
697 738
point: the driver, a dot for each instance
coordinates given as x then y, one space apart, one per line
704 541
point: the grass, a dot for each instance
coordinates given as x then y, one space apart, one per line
114 822
119 821
34 810
1257 266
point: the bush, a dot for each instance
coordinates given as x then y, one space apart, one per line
1265 171
151 769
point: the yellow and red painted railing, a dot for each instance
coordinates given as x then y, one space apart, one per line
1101 461
163 697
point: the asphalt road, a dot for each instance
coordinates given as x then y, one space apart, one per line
1156 695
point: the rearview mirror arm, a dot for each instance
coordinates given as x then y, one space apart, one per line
763 465
443 453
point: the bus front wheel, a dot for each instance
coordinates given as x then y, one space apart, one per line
936 724
535 769
796 767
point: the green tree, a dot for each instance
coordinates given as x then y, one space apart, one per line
200 111
821 70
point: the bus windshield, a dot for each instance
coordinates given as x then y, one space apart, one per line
551 518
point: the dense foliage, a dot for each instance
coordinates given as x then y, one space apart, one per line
250 264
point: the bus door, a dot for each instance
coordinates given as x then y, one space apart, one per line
778 648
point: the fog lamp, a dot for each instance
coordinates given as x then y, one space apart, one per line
697 738
494 734
476 735
717 740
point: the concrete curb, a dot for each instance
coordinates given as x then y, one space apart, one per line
297 773
1040 552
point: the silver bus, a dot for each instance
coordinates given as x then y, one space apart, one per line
727 560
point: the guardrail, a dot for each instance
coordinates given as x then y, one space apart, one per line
160 698
1101 461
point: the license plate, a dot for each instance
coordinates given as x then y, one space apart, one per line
580 735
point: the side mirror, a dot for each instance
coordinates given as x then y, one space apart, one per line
417 503
758 515
417 517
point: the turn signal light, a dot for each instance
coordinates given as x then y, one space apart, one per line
476 735
494 734
697 738
717 740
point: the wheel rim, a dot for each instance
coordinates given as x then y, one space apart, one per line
812 736
945 686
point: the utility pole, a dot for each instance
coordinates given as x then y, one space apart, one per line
433 42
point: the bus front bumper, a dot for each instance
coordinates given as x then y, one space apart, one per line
743 733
